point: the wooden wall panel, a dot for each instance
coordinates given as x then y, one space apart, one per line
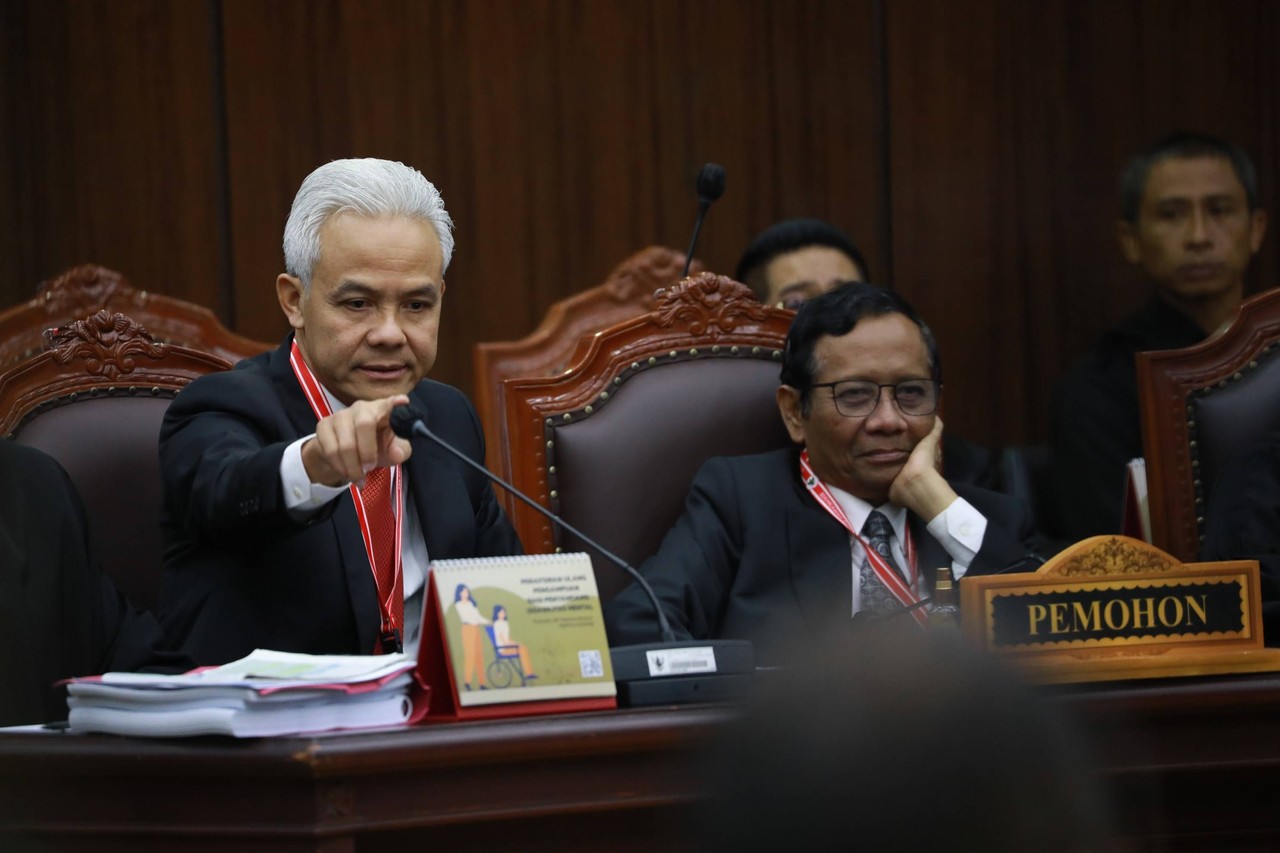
949 254
971 149
1071 134
1009 123
304 86
1002 192
1207 67
108 144
563 135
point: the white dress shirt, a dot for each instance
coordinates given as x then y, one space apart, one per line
959 529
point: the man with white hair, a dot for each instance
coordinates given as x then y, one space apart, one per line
294 518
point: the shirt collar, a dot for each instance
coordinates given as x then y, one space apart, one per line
335 405
857 510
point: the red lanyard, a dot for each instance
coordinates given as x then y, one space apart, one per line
320 406
891 579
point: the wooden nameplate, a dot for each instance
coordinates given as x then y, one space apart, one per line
1113 607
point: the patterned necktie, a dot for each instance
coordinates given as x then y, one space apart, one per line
876 598
382 532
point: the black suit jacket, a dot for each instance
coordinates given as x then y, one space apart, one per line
756 557
240 573
1095 426
60 616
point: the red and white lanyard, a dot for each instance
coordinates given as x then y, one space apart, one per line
902 590
320 406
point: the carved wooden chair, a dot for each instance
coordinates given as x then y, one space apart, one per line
87 289
1199 406
613 443
94 400
557 342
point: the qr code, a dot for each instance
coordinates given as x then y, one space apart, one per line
590 663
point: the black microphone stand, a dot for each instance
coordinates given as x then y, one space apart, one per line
710 186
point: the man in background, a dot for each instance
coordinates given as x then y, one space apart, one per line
798 259
294 518
1190 223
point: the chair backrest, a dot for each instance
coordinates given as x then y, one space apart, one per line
94 401
1025 473
87 289
1200 405
559 339
613 444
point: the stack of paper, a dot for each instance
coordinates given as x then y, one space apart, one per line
267 693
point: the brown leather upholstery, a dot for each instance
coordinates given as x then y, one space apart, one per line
87 289
613 444
1200 405
558 341
94 401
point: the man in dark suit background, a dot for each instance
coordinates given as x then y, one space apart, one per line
778 544
271 530
798 259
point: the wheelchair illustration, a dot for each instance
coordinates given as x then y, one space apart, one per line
505 667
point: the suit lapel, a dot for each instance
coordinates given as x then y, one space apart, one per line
362 591
820 559
440 499
355 562
296 408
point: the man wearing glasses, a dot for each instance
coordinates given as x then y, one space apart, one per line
850 525
792 261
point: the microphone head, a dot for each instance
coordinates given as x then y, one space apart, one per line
710 182
404 417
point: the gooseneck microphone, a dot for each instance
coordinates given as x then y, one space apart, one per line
668 672
407 421
710 187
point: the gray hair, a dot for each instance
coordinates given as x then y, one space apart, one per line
367 187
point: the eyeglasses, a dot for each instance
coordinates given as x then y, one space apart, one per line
857 398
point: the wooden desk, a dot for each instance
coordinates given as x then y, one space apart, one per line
549 780
1193 764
